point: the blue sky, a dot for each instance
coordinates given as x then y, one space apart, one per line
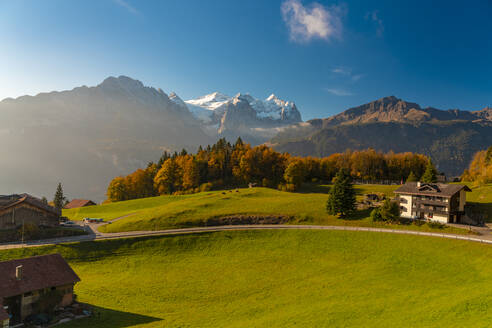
324 55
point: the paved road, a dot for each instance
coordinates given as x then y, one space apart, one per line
133 234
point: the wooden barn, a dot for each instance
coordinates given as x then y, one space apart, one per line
16 210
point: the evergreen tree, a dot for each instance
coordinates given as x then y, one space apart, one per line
430 174
59 199
412 177
239 143
341 199
390 211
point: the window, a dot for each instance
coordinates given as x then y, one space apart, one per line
28 294
430 215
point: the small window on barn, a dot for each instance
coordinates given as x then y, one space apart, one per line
53 288
28 294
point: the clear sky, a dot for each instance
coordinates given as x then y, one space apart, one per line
324 55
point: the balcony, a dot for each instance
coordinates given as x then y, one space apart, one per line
431 209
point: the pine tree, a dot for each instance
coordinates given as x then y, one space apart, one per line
341 198
411 177
59 199
430 174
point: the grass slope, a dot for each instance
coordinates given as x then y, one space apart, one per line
167 212
281 279
481 198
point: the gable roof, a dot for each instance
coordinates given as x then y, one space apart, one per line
431 189
38 272
79 203
10 201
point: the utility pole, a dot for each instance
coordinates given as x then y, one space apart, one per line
22 231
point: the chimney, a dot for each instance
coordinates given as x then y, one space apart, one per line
18 272
418 184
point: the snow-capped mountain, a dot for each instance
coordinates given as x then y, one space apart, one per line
243 115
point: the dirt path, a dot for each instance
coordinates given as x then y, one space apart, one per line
133 234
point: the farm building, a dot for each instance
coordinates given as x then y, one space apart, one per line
433 201
16 210
76 203
27 285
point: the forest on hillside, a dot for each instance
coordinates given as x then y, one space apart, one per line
480 169
225 165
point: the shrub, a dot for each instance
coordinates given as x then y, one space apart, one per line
390 211
376 215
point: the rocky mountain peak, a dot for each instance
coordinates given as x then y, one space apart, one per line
121 81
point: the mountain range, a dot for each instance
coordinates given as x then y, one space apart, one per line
450 137
244 116
86 136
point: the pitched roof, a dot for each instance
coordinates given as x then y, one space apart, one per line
79 203
38 272
13 200
431 189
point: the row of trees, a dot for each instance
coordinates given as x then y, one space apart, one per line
480 169
224 164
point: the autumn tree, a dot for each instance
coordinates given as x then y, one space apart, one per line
191 173
117 190
165 179
294 175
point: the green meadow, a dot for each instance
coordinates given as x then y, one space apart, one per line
286 278
183 211
481 199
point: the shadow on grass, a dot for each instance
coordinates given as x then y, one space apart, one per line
103 317
483 209
314 188
359 215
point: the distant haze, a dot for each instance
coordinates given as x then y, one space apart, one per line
85 137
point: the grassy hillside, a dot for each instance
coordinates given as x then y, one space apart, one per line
481 198
167 212
281 279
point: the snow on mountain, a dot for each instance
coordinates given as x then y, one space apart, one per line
271 108
212 101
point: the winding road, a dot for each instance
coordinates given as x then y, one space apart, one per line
96 235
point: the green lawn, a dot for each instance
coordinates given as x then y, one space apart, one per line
289 278
481 198
167 212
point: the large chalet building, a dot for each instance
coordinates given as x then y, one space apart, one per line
432 201
16 210
23 283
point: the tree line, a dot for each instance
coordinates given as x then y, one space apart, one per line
233 165
480 169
